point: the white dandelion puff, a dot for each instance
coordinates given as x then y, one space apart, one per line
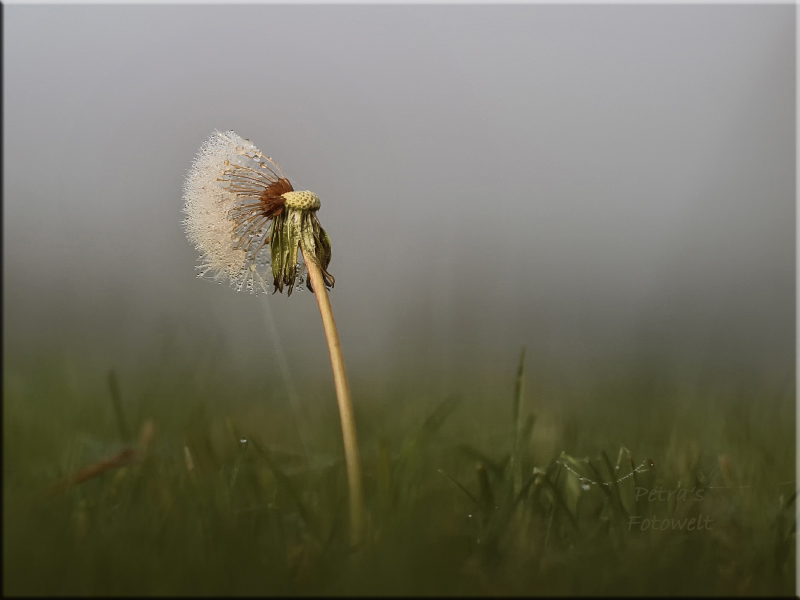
232 195
225 238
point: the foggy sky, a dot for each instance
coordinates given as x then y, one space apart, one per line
586 180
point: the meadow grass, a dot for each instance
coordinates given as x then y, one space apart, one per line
465 495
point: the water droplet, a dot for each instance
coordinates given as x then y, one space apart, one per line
585 486
243 440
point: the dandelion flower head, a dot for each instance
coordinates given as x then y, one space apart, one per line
236 201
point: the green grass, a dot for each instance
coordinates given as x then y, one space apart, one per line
465 495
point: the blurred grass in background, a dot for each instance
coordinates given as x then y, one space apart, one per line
522 490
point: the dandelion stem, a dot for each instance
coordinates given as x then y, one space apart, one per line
357 512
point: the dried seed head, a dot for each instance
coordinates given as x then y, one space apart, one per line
234 197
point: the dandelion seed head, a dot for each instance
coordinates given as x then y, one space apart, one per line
224 219
235 200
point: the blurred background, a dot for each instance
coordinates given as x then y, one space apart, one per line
612 186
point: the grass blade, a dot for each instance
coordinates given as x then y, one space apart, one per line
462 488
437 418
497 468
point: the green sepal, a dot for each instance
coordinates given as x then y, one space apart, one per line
290 229
276 252
317 245
293 227
325 244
